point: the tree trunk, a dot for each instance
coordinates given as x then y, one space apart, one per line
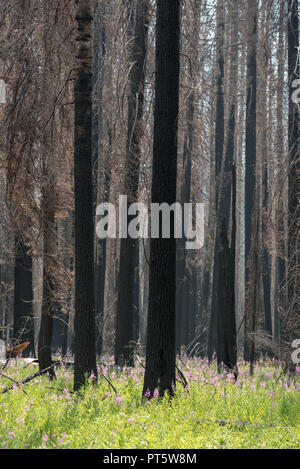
226 328
84 322
47 313
250 184
226 324
265 182
219 148
128 300
160 357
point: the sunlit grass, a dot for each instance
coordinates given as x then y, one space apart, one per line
262 411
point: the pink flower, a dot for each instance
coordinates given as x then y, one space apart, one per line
230 377
45 438
118 399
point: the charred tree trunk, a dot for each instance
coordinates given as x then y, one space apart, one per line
47 313
226 325
219 148
226 329
265 166
250 184
161 358
266 261
84 322
128 300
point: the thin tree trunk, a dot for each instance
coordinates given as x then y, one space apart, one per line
47 312
128 301
281 233
250 184
219 148
226 323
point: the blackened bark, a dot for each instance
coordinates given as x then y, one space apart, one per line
226 324
219 148
161 358
250 183
265 169
97 107
84 322
226 330
23 327
266 261
47 313
128 299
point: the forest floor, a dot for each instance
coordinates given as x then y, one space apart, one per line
262 411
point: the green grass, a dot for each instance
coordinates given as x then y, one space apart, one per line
216 412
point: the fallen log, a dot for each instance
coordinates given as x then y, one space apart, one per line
29 378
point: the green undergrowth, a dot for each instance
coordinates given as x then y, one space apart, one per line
262 411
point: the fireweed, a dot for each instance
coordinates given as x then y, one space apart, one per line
216 411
